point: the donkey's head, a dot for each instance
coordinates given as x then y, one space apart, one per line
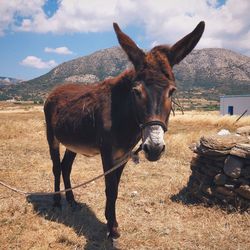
154 84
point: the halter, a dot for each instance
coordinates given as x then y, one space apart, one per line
154 122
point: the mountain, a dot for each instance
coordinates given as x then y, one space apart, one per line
6 81
205 73
213 72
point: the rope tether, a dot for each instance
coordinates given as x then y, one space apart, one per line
132 155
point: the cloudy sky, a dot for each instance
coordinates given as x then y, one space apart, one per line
37 35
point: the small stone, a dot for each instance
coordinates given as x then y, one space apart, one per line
165 231
223 132
148 210
229 186
233 166
134 194
206 189
225 191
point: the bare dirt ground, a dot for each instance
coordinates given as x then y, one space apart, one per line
152 209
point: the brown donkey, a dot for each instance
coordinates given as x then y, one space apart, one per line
112 116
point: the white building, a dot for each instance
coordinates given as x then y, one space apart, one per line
235 104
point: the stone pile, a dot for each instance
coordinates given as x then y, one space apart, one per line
221 170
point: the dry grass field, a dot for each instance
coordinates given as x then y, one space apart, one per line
153 212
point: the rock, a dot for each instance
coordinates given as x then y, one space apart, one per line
244 191
245 131
222 143
220 179
230 186
209 152
221 171
224 132
206 189
134 194
225 191
233 166
242 150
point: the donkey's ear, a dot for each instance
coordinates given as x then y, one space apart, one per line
135 54
183 47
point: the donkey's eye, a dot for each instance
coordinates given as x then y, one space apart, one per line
137 92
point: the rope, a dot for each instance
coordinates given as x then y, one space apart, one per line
241 116
125 160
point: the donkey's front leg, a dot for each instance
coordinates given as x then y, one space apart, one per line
111 182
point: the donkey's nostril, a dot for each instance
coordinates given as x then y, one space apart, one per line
163 149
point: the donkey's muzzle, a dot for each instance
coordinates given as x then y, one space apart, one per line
153 152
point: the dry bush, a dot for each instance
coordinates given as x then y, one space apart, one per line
149 216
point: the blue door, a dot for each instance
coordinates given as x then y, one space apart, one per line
230 110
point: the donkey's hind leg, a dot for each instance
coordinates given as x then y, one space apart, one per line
66 166
55 157
54 150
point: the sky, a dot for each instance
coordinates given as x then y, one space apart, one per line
37 35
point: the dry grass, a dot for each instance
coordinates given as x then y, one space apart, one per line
151 219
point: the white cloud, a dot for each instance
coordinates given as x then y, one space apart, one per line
38 63
164 21
59 50
10 11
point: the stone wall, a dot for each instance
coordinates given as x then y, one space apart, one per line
221 170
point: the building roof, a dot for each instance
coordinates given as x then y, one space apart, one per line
233 96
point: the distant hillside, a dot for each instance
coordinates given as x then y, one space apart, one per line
205 73
6 81
213 72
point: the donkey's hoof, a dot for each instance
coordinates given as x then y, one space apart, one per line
114 233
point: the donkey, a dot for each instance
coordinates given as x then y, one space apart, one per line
112 116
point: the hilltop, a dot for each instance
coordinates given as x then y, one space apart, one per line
205 73
6 81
